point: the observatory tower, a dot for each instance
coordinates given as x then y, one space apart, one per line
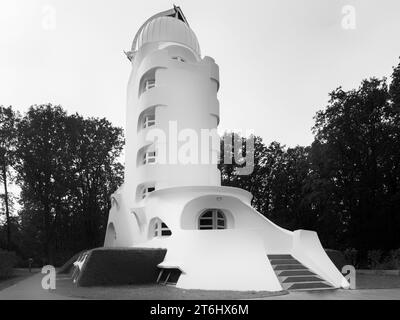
172 196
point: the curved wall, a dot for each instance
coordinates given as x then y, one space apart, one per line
184 102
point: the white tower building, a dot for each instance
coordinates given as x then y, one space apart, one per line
172 197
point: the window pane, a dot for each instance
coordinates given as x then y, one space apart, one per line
149 120
207 214
206 222
221 223
220 215
205 228
179 59
150 84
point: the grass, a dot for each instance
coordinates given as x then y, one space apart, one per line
364 281
65 287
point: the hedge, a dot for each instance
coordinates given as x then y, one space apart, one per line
120 266
337 258
8 260
68 266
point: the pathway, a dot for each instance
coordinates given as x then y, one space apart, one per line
30 289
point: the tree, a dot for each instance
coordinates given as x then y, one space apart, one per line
394 89
97 173
8 141
68 167
276 182
45 157
253 182
357 138
346 185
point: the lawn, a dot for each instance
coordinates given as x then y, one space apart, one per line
364 281
151 292
158 292
65 287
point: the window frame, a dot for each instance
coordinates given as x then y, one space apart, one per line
149 120
149 84
146 191
149 157
217 216
160 229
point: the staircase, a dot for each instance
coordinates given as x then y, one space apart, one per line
294 276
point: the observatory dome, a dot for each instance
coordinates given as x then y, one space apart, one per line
166 28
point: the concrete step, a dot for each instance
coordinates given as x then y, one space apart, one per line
294 276
279 256
284 261
289 267
287 273
309 286
300 279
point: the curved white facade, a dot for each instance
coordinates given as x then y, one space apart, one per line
165 201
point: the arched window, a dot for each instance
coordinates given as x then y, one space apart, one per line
147 81
212 219
160 229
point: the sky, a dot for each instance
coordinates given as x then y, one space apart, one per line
278 59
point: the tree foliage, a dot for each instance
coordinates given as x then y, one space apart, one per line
346 185
68 167
8 139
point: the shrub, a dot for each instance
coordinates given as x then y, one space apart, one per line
337 258
350 255
120 266
374 258
7 262
68 266
392 261
395 255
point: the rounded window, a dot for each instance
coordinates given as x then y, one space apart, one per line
160 229
212 219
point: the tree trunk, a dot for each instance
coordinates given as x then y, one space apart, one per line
4 173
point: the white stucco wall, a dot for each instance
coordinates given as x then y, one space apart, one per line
186 94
